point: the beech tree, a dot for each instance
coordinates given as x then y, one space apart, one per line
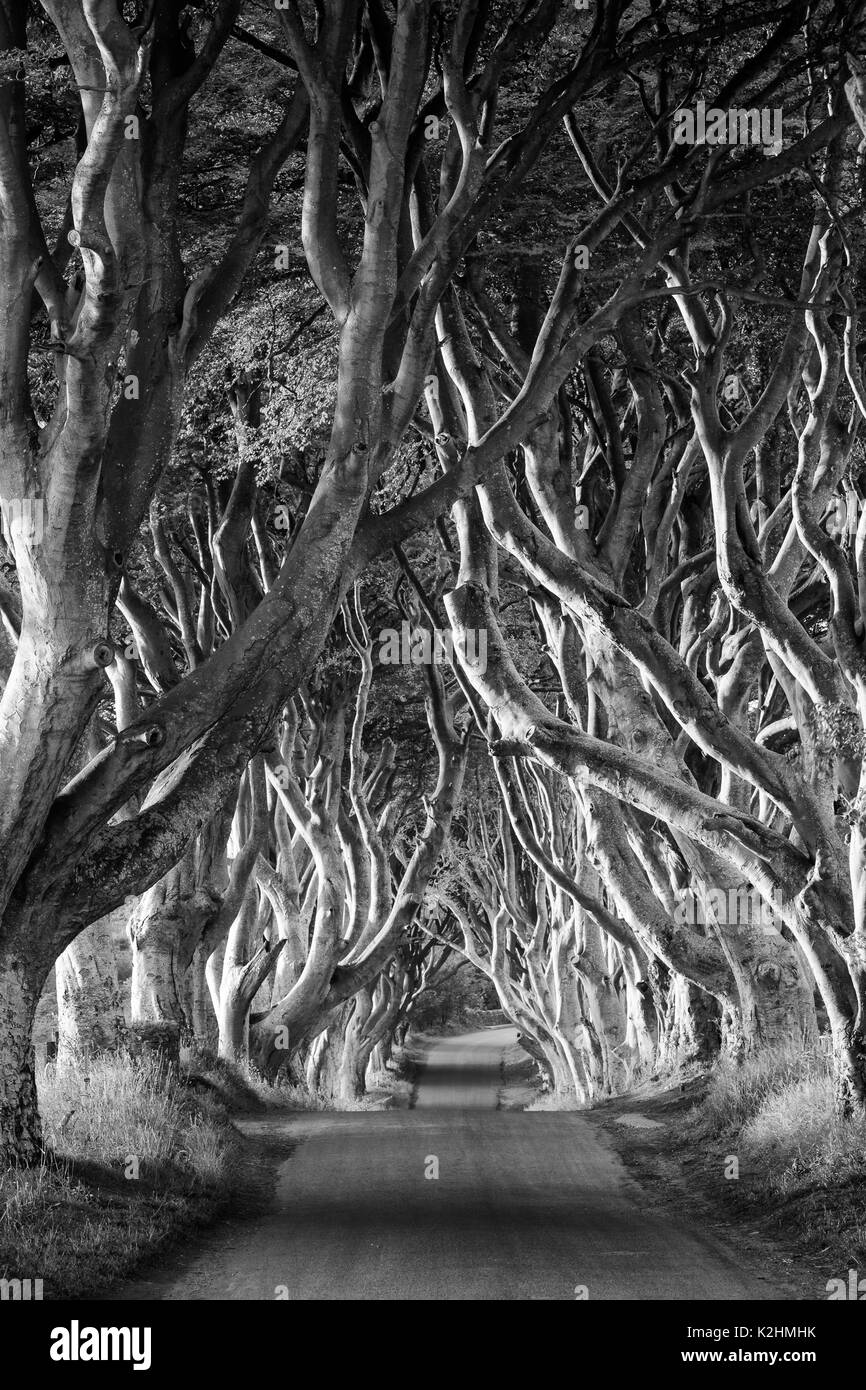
398 266
693 606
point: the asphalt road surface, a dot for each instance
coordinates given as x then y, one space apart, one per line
525 1206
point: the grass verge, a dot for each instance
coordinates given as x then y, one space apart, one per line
134 1158
802 1166
755 1151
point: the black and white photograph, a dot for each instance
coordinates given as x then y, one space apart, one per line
432 676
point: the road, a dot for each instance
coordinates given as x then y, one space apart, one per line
525 1206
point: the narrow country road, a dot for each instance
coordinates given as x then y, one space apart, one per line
525 1206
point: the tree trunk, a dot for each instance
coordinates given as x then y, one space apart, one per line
691 1033
233 1035
204 1021
376 1048
158 1017
641 1039
783 1003
20 1126
849 1070
846 1010
315 1062
563 1069
353 1063
90 1011
844 998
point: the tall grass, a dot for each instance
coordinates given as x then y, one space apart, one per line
132 1159
780 1105
114 1110
243 1086
738 1091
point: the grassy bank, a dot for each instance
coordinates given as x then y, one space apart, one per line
802 1166
135 1158
754 1150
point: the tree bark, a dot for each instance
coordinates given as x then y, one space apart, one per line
20 1126
90 1004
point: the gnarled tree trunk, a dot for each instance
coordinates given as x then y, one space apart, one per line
20 1126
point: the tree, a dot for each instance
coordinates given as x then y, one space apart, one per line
394 271
664 728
